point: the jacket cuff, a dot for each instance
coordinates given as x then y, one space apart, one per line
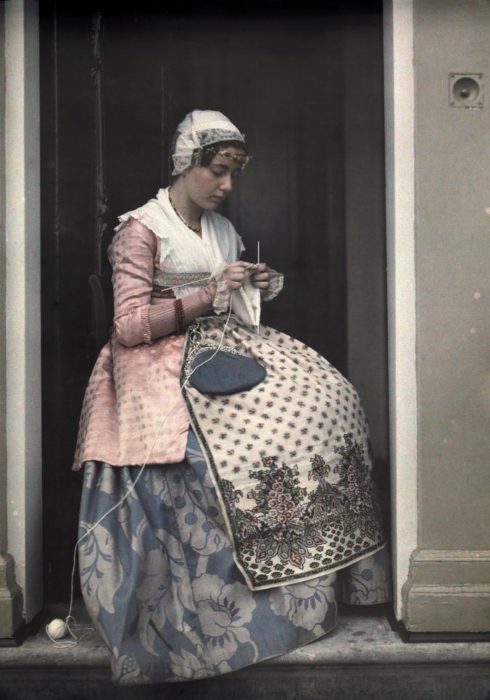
275 286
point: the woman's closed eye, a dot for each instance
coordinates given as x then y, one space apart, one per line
220 171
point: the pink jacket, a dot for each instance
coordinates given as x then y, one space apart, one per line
133 411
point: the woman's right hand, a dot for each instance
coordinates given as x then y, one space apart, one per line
234 274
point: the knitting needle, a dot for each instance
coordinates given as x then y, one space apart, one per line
258 263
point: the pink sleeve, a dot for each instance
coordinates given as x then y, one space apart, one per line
136 320
163 316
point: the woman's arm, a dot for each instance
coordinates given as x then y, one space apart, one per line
171 315
136 320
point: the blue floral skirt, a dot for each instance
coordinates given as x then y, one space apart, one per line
160 584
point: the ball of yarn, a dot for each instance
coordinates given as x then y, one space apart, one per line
56 629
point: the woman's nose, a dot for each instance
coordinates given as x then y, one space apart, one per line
226 184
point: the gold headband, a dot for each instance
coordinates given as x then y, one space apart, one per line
242 159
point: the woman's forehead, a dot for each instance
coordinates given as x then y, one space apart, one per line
230 156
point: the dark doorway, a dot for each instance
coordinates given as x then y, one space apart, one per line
114 87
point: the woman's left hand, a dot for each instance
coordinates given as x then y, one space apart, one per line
260 276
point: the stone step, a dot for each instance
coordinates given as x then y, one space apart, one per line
362 659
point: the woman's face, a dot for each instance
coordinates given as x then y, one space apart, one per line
207 186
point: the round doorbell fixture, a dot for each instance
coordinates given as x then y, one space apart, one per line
466 90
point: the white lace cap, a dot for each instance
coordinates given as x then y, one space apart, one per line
201 128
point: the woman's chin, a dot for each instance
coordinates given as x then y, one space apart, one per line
214 203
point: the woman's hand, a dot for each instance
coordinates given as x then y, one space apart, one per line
260 276
235 273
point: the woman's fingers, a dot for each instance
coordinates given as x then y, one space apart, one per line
237 276
261 276
236 272
261 279
239 265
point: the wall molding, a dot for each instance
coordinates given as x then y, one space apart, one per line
11 618
448 591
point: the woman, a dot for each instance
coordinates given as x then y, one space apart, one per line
238 515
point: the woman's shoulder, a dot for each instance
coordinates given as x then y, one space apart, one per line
132 234
134 228
149 215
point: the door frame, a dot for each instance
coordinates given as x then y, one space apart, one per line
23 300
400 250
23 289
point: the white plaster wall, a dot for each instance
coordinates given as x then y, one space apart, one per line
453 277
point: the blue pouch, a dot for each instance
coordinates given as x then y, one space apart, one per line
228 372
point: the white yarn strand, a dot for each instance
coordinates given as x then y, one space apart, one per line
69 618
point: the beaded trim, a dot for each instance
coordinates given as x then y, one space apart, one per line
179 315
192 228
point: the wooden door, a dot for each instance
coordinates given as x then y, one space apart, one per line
114 87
